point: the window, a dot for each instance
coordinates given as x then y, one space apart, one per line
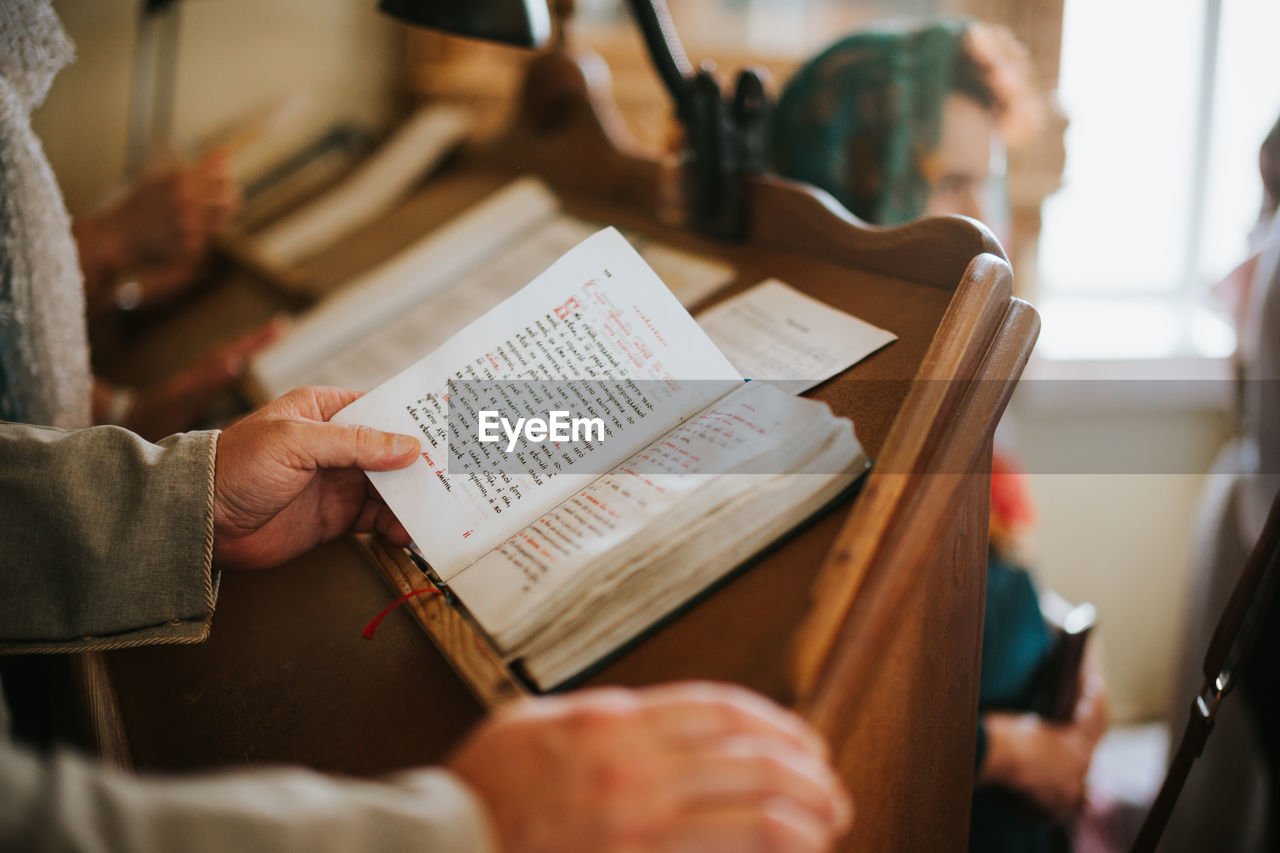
1168 102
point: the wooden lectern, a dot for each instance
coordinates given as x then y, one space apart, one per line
868 619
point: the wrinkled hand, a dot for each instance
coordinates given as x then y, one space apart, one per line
169 218
1048 762
287 480
183 401
159 233
685 767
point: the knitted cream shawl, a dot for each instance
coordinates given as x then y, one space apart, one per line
44 353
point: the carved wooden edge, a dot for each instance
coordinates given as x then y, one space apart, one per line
963 384
934 251
98 709
870 622
919 520
461 643
968 325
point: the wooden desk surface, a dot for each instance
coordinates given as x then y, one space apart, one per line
286 676
296 618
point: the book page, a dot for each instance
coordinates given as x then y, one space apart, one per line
383 293
775 333
597 313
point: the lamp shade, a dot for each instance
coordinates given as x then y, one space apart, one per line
524 23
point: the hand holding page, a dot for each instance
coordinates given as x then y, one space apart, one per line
598 313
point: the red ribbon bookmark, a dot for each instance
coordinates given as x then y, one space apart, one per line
367 633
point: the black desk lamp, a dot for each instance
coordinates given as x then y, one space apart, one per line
725 138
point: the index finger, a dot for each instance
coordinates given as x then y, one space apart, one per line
696 711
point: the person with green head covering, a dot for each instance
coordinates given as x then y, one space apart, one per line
903 122
898 123
862 118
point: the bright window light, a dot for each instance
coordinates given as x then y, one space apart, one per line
1121 221
1161 182
1246 102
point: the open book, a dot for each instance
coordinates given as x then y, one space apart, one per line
563 545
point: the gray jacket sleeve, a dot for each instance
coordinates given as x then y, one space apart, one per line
66 803
106 540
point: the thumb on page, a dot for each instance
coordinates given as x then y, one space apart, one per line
330 445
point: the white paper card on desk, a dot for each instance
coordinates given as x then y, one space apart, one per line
412 150
775 333
619 314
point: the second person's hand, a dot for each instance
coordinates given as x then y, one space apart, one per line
694 767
